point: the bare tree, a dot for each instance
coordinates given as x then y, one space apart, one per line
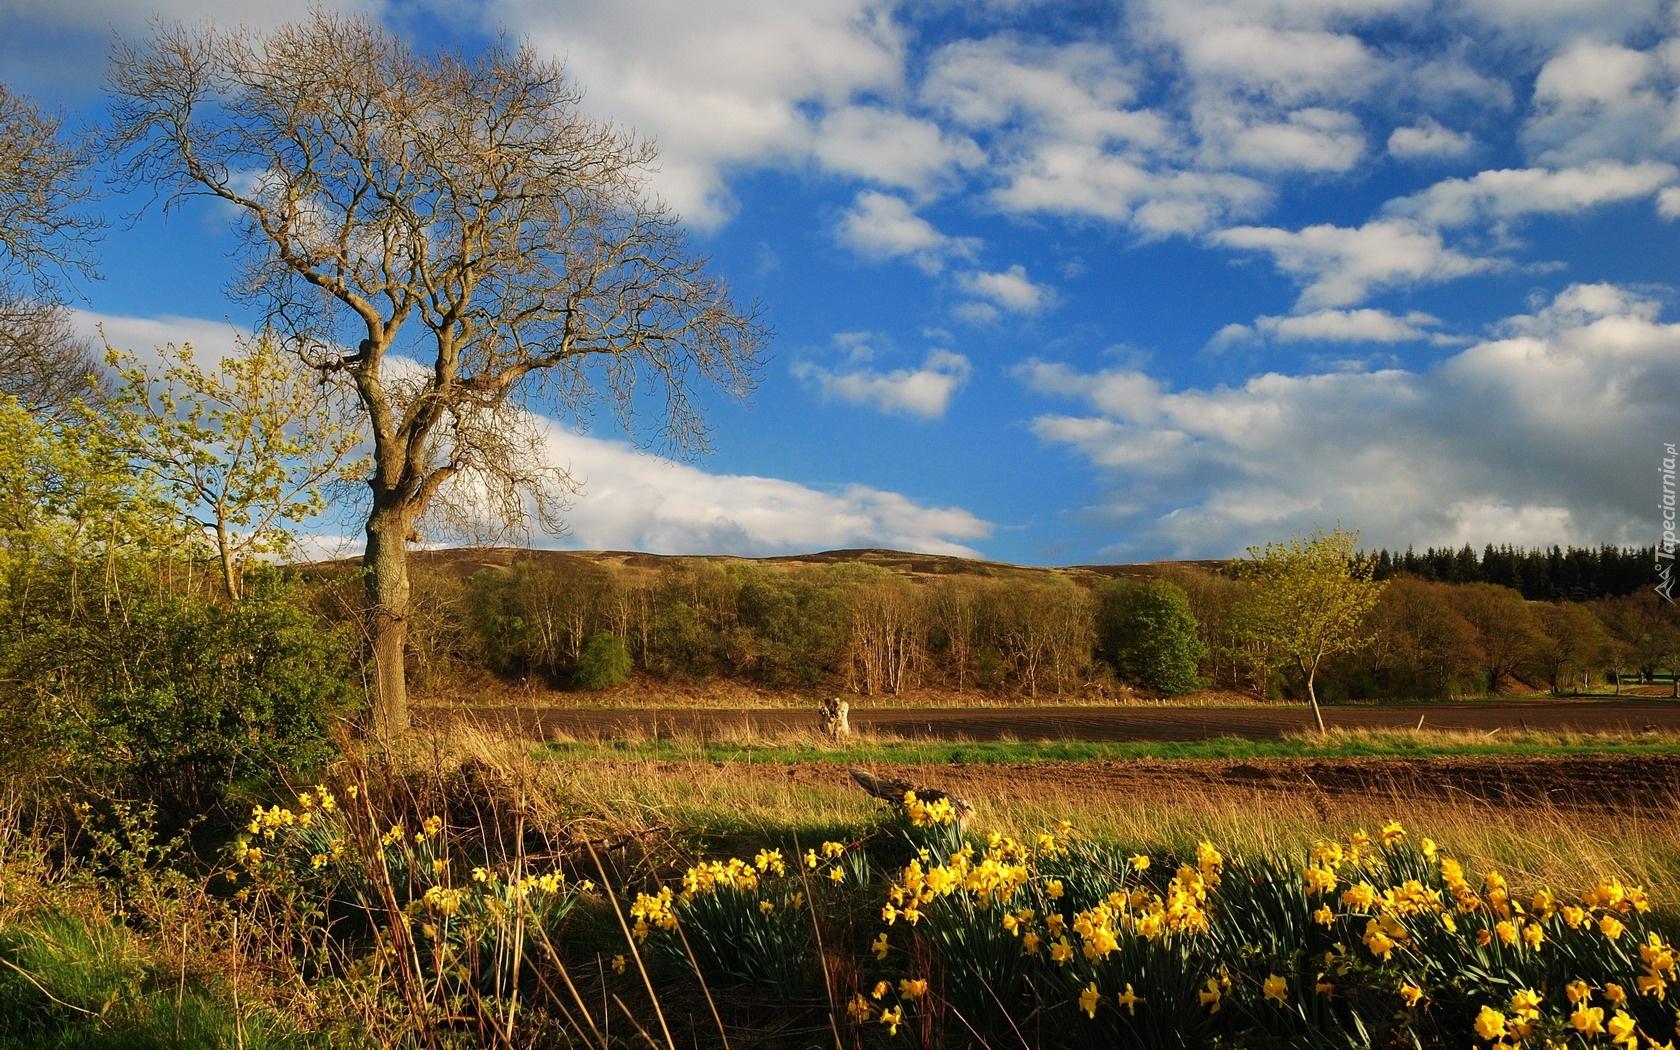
464 226
46 239
48 365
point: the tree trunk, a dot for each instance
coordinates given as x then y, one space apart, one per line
230 573
1309 673
386 566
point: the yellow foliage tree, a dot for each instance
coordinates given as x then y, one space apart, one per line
1312 598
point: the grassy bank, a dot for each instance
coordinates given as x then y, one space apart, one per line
1337 744
470 893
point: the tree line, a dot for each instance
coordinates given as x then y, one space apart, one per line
1541 574
874 632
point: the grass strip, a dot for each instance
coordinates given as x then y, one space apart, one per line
1005 752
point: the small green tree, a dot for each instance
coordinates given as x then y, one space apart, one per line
1311 599
244 449
604 663
1151 637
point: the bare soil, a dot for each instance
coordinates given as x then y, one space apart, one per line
1121 723
1586 783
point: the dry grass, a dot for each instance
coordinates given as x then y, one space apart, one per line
1537 842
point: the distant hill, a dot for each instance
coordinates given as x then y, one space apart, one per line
465 561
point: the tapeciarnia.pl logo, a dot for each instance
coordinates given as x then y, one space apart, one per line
1665 549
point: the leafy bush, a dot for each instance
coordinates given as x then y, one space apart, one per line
604 662
1151 637
169 697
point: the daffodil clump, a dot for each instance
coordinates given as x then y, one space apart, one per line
1365 941
1552 972
445 925
747 921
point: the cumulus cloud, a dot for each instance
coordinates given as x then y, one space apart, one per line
1339 266
1497 196
212 340
1071 139
1538 435
1008 290
717 84
1231 44
1332 326
882 226
1314 140
924 391
631 500
1429 140
892 148
1598 100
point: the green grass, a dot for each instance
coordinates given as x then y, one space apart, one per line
1337 744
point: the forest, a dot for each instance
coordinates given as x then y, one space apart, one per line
892 624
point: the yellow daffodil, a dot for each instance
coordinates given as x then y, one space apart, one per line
618 963
1490 1024
1621 1029
1411 993
1588 1020
913 989
1139 862
879 947
1088 1000
1610 926
1525 1004
1128 1000
881 989
894 1017
1615 993
1276 989
1211 996
1061 952
1653 985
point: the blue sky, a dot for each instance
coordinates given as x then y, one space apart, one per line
1059 283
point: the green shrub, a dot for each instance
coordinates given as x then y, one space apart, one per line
154 695
604 662
1151 637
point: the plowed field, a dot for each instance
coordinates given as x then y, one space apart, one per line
1254 722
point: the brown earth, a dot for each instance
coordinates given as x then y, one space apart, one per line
1588 784
1163 722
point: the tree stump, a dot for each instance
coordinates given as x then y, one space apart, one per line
833 712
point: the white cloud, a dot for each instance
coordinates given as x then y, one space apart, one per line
1080 180
1008 289
1340 266
924 391
1316 139
1541 435
892 148
1332 326
1429 140
1499 196
1224 44
1600 100
1070 139
211 340
717 84
634 501
882 226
